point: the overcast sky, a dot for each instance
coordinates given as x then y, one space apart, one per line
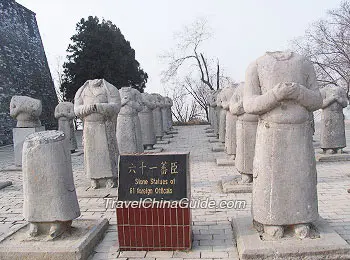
242 29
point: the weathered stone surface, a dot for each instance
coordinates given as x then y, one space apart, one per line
250 245
48 186
169 102
26 111
85 235
165 114
98 103
64 112
128 125
246 126
281 88
23 66
147 121
333 127
19 135
157 116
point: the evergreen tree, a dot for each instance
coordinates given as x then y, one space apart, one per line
99 50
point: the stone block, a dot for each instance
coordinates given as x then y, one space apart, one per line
218 147
338 157
213 140
250 246
225 162
77 246
234 186
168 136
163 142
209 131
19 135
155 150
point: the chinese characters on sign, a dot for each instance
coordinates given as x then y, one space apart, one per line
159 176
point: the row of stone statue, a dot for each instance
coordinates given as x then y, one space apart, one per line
124 121
115 121
266 124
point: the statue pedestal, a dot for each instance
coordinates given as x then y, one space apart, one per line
329 245
233 185
218 147
337 157
19 135
229 161
78 245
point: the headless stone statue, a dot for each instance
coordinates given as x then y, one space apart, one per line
230 131
332 125
157 116
128 125
168 105
97 102
147 121
50 200
26 111
223 97
64 112
246 126
281 89
214 111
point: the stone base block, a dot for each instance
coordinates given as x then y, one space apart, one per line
96 193
209 131
168 136
213 140
19 135
212 135
12 168
78 153
163 142
233 185
4 184
155 150
338 157
218 147
225 162
77 246
250 246
173 132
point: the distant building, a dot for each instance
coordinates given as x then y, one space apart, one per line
23 66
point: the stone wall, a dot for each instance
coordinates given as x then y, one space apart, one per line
23 66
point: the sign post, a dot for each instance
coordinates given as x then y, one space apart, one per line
153 209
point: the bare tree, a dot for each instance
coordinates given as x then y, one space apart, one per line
327 44
186 55
57 76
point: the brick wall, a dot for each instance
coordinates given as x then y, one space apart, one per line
23 66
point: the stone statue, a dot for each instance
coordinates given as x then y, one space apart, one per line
50 200
165 116
246 126
223 97
230 131
26 111
97 102
147 121
169 122
128 124
281 88
137 120
214 111
64 112
157 116
333 127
